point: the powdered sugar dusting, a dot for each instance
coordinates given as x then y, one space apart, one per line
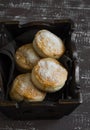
31 56
24 82
50 70
26 87
50 41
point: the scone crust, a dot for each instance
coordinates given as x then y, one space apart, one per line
23 89
26 58
48 44
49 75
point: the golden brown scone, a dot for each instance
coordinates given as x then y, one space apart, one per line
49 75
23 89
26 58
47 44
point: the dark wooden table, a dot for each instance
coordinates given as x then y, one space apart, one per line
79 11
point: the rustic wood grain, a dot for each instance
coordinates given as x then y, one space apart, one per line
79 11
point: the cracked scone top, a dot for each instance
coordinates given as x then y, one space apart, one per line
47 44
26 58
23 89
49 75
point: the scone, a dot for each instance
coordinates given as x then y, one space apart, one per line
26 58
49 75
23 89
47 44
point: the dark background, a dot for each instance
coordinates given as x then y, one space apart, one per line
45 10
